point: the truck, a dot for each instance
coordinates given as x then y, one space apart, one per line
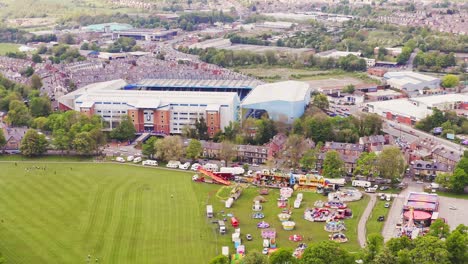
222 227
364 184
209 211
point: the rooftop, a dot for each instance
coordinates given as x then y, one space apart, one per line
408 75
249 84
402 107
291 91
444 98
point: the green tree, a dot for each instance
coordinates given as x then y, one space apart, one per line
366 164
169 148
318 127
309 159
385 256
83 143
220 260
124 131
294 149
326 252
36 58
39 123
18 114
333 165
255 257
84 46
390 163
457 246
36 82
283 256
439 229
450 81
149 147
375 243
265 130
227 152
350 88
33 143
40 106
201 128
194 149
397 244
62 140
2 140
459 180
320 101
429 250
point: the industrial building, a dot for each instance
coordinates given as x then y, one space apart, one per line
443 102
145 34
107 27
159 112
411 82
283 101
241 87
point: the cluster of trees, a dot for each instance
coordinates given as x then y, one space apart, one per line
171 148
190 20
229 58
450 81
434 61
406 51
450 122
457 181
251 131
438 246
90 46
71 131
123 44
14 35
59 53
257 40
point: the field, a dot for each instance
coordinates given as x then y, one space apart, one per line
7 47
374 226
59 211
118 214
312 232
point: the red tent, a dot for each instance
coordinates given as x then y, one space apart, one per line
234 222
418 215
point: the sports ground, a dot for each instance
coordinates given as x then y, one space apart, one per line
53 212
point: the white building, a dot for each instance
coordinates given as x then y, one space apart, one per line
442 102
401 110
164 112
411 82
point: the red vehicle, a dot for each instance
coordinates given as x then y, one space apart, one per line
234 222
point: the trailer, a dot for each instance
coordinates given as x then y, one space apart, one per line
222 227
150 163
234 170
364 184
209 211
229 202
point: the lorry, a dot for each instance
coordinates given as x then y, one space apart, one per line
222 227
209 211
364 184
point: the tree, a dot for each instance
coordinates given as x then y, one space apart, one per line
429 250
169 148
265 130
397 244
40 106
228 151
125 130
294 149
374 245
333 165
459 180
149 147
62 140
457 246
84 46
439 229
201 128
326 252
366 164
84 143
318 127
36 82
350 88
194 149
385 256
450 81
2 140
255 257
320 101
33 143
390 163
39 123
36 58
309 159
18 114
221 259
283 256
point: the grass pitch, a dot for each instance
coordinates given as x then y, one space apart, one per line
115 213
7 47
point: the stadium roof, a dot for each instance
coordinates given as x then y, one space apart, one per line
291 91
246 84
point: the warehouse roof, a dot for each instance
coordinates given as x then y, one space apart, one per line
291 91
444 98
410 75
402 107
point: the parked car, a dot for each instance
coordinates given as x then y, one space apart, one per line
120 159
184 166
381 218
265 251
387 205
249 237
195 166
384 188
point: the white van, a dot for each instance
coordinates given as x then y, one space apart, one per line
120 159
184 166
173 164
137 160
150 163
130 158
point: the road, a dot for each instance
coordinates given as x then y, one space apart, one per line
409 63
395 214
362 237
